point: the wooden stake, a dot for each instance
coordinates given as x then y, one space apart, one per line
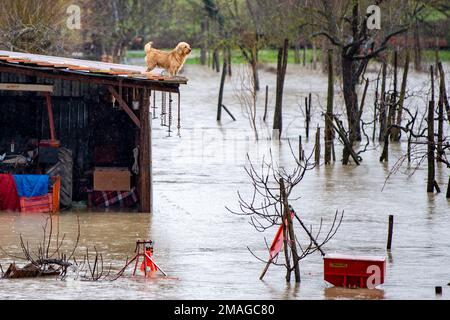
265 105
317 147
300 149
308 115
390 232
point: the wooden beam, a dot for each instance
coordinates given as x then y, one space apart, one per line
25 87
125 106
145 154
48 99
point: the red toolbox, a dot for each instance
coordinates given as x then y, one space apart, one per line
354 271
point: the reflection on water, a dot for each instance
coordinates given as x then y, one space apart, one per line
343 293
203 248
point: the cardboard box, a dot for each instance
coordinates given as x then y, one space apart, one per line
112 179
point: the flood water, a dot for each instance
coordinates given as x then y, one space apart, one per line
203 247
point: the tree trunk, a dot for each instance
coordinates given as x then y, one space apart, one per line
228 56
255 61
448 189
417 48
383 123
216 64
351 103
314 55
443 90
297 53
431 146
304 55
222 85
281 73
290 228
204 42
324 61
431 149
385 154
329 114
396 131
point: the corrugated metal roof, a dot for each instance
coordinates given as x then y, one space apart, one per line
86 67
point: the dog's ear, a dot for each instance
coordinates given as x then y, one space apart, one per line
180 48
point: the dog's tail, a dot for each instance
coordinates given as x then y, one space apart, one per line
148 47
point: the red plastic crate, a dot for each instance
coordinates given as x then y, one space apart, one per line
42 204
48 203
354 271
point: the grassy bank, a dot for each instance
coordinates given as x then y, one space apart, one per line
265 56
270 56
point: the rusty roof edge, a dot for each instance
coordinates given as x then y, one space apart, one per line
115 78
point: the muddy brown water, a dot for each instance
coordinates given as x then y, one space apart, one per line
203 247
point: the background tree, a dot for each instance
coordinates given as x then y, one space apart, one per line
344 24
35 26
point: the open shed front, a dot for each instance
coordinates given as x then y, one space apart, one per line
84 124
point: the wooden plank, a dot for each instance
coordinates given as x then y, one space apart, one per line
25 87
75 89
66 88
125 106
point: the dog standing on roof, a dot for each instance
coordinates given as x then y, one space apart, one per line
172 61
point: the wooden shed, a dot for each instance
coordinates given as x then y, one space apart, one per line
98 111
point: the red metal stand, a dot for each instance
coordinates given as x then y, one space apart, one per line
141 251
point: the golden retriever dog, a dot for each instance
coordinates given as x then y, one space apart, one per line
171 61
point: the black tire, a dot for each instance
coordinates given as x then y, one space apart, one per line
64 169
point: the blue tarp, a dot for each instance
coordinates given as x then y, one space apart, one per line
31 185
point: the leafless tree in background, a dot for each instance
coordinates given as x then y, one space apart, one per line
245 92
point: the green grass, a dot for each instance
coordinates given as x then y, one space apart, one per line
430 55
265 56
270 56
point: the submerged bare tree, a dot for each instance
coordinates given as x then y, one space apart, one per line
424 143
270 206
48 258
247 95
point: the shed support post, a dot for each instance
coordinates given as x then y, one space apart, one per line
145 154
48 100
